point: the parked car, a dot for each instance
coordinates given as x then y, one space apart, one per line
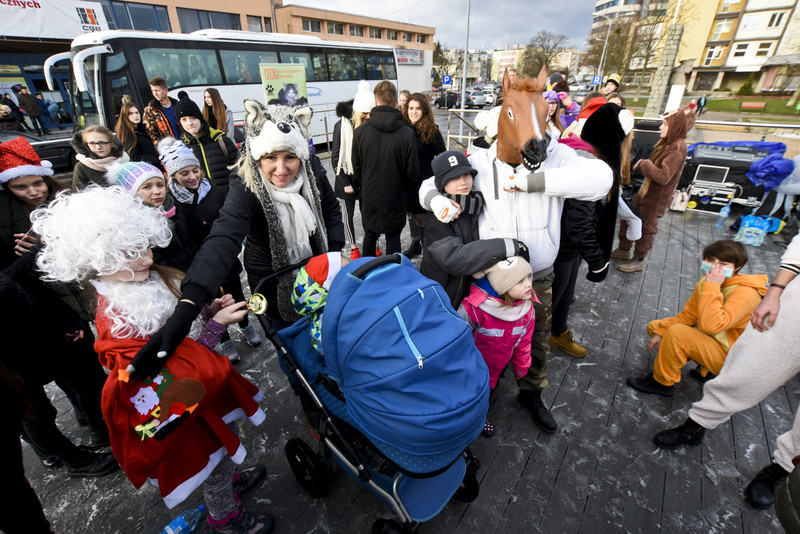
490 98
447 100
59 152
475 98
577 86
580 93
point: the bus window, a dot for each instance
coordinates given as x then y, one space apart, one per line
345 65
314 62
182 67
115 62
242 66
380 66
120 92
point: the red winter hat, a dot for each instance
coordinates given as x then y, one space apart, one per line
18 158
593 105
323 268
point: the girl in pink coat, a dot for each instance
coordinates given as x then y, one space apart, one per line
499 309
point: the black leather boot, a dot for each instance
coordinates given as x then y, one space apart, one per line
689 433
761 491
414 250
532 400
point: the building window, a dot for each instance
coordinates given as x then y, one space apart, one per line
311 25
763 49
775 20
714 52
407 37
356 31
135 16
740 50
721 29
391 35
375 33
420 38
727 4
253 23
267 24
194 19
335 28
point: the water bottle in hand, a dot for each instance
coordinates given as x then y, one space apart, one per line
723 214
184 523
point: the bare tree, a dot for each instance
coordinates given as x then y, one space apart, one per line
446 62
540 52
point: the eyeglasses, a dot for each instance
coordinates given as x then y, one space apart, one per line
98 143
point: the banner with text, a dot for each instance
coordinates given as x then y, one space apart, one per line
409 57
284 83
50 19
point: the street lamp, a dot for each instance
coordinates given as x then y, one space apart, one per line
605 45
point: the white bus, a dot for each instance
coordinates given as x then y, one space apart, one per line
111 65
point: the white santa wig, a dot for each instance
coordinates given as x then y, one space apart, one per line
98 231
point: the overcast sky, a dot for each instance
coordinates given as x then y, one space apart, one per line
493 23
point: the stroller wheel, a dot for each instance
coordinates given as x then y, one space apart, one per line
311 471
468 490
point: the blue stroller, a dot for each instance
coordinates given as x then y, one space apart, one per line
398 396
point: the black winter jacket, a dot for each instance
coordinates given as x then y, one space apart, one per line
386 163
242 216
344 110
453 252
14 219
192 223
426 152
144 150
208 149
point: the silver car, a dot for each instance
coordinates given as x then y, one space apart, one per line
475 99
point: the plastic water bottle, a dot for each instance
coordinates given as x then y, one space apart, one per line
186 522
723 214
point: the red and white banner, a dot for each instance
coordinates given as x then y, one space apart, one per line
50 19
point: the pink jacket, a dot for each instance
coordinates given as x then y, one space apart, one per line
502 333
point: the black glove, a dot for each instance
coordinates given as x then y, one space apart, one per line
152 357
523 251
598 277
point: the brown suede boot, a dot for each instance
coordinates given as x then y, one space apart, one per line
636 264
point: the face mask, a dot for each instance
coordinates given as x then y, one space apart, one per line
726 271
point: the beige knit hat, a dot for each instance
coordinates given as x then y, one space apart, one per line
507 273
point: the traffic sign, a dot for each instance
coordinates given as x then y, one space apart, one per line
596 80
446 79
433 71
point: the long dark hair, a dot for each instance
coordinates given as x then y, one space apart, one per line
215 111
556 116
426 126
125 129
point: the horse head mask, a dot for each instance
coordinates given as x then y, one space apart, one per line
522 128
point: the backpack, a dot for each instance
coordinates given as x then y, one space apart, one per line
405 361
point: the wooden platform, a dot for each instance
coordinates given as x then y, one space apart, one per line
600 473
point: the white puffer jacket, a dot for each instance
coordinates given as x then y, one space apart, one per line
533 218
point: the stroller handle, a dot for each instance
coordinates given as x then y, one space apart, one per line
380 261
279 272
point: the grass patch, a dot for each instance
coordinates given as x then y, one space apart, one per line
775 106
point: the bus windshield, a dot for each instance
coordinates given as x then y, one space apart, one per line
83 102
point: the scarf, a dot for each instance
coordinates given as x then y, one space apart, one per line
297 216
471 204
101 164
345 147
186 196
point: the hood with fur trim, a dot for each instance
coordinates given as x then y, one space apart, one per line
82 149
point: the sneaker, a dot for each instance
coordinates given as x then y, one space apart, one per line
620 254
248 479
227 348
564 342
378 252
689 433
250 334
96 465
760 493
649 385
632 266
242 522
354 253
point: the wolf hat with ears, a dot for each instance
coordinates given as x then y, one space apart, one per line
269 129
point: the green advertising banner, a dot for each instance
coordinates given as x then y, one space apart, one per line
284 83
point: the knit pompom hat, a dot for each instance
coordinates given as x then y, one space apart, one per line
131 175
364 100
18 158
175 155
507 273
187 108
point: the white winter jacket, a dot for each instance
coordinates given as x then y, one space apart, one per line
533 218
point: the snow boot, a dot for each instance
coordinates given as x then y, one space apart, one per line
248 479
532 400
689 433
636 264
760 493
620 254
648 384
242 522
566 343
414 250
